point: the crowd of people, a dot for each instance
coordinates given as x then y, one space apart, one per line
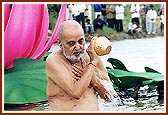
144 16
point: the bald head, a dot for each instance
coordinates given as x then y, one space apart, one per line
71 40
69 26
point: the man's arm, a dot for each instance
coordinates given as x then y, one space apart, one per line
96 82
99 72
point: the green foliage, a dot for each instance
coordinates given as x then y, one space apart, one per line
127 15
53 15
105 29
26 83
52 20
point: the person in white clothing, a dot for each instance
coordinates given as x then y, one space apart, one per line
81 17
134 30
88 12
151 16
74 10
88 20
119 9
135 13
69 12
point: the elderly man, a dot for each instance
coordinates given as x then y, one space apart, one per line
73 74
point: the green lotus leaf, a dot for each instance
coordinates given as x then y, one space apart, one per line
127 77
26 83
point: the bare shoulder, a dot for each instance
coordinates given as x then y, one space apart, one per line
56 62
53 58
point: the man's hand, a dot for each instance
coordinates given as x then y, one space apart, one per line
90 50
100 88
104 94
78 71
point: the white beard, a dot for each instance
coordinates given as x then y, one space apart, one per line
72 57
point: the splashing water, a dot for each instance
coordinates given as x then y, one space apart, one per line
112 95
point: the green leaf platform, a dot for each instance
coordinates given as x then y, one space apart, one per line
122 77
26 82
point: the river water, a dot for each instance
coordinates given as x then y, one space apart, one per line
138 53
135 54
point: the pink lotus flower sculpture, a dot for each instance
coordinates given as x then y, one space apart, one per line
26 30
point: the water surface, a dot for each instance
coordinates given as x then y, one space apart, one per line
137 54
